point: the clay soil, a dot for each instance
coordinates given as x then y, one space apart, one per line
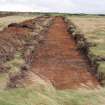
59 61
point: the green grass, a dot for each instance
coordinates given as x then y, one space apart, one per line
16 63
30 96
3 80
101 72
15 67
99 50
25 97
84 97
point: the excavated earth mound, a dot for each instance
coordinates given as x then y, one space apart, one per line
49 52
18 43
59 61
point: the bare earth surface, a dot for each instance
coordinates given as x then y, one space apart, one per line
58 60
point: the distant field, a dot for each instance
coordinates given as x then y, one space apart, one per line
4 21
94 30
91 27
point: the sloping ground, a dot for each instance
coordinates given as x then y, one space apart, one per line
59 61
18 42
93 30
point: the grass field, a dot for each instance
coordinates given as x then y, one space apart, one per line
42 92
5 21
42 95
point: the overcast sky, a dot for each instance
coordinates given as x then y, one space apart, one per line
69 6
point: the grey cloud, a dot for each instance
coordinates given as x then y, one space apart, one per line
86 6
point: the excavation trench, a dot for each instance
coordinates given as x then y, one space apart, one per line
59 61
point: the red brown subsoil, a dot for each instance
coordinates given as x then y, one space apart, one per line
59 61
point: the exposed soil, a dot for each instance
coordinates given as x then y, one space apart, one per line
55 57
19 41
59 61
